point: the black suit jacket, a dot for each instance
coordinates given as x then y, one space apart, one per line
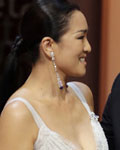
111 116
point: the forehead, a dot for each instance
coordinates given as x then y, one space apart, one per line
77 22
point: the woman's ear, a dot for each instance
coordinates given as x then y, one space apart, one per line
47 46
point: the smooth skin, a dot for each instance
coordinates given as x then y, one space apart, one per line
61 110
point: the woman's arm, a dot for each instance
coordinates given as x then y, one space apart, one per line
18 130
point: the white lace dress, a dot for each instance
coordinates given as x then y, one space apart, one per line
50 140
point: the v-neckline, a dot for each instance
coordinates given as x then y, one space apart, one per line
62 137
70 143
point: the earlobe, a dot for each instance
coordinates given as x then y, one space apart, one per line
47 46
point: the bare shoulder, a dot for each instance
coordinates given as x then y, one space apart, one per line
87 93
17 124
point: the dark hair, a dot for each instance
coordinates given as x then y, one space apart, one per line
43 18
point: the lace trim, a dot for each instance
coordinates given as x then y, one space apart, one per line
48 140
101 141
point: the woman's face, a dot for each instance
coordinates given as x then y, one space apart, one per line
73 47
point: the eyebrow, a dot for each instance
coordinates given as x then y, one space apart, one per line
83 30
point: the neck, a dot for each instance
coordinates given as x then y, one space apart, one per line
43 80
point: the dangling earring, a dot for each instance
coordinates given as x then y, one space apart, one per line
60 84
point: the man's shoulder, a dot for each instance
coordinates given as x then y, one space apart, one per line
116 83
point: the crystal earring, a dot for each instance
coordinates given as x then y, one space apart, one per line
60 84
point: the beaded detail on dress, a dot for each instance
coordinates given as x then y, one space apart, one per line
101 141
50 140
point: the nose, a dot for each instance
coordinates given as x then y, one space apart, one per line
87 46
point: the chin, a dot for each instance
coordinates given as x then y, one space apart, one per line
82 73
79 74
76 73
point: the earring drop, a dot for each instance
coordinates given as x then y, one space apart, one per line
60 84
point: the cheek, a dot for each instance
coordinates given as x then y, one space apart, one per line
67 60
68 54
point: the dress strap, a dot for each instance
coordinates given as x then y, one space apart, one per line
80 95
30 108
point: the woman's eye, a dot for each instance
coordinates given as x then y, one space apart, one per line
81 37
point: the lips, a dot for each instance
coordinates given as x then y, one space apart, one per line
82 58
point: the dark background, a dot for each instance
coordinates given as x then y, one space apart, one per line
10 14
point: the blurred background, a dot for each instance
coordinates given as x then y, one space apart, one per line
104 37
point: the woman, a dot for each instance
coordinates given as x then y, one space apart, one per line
46 113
